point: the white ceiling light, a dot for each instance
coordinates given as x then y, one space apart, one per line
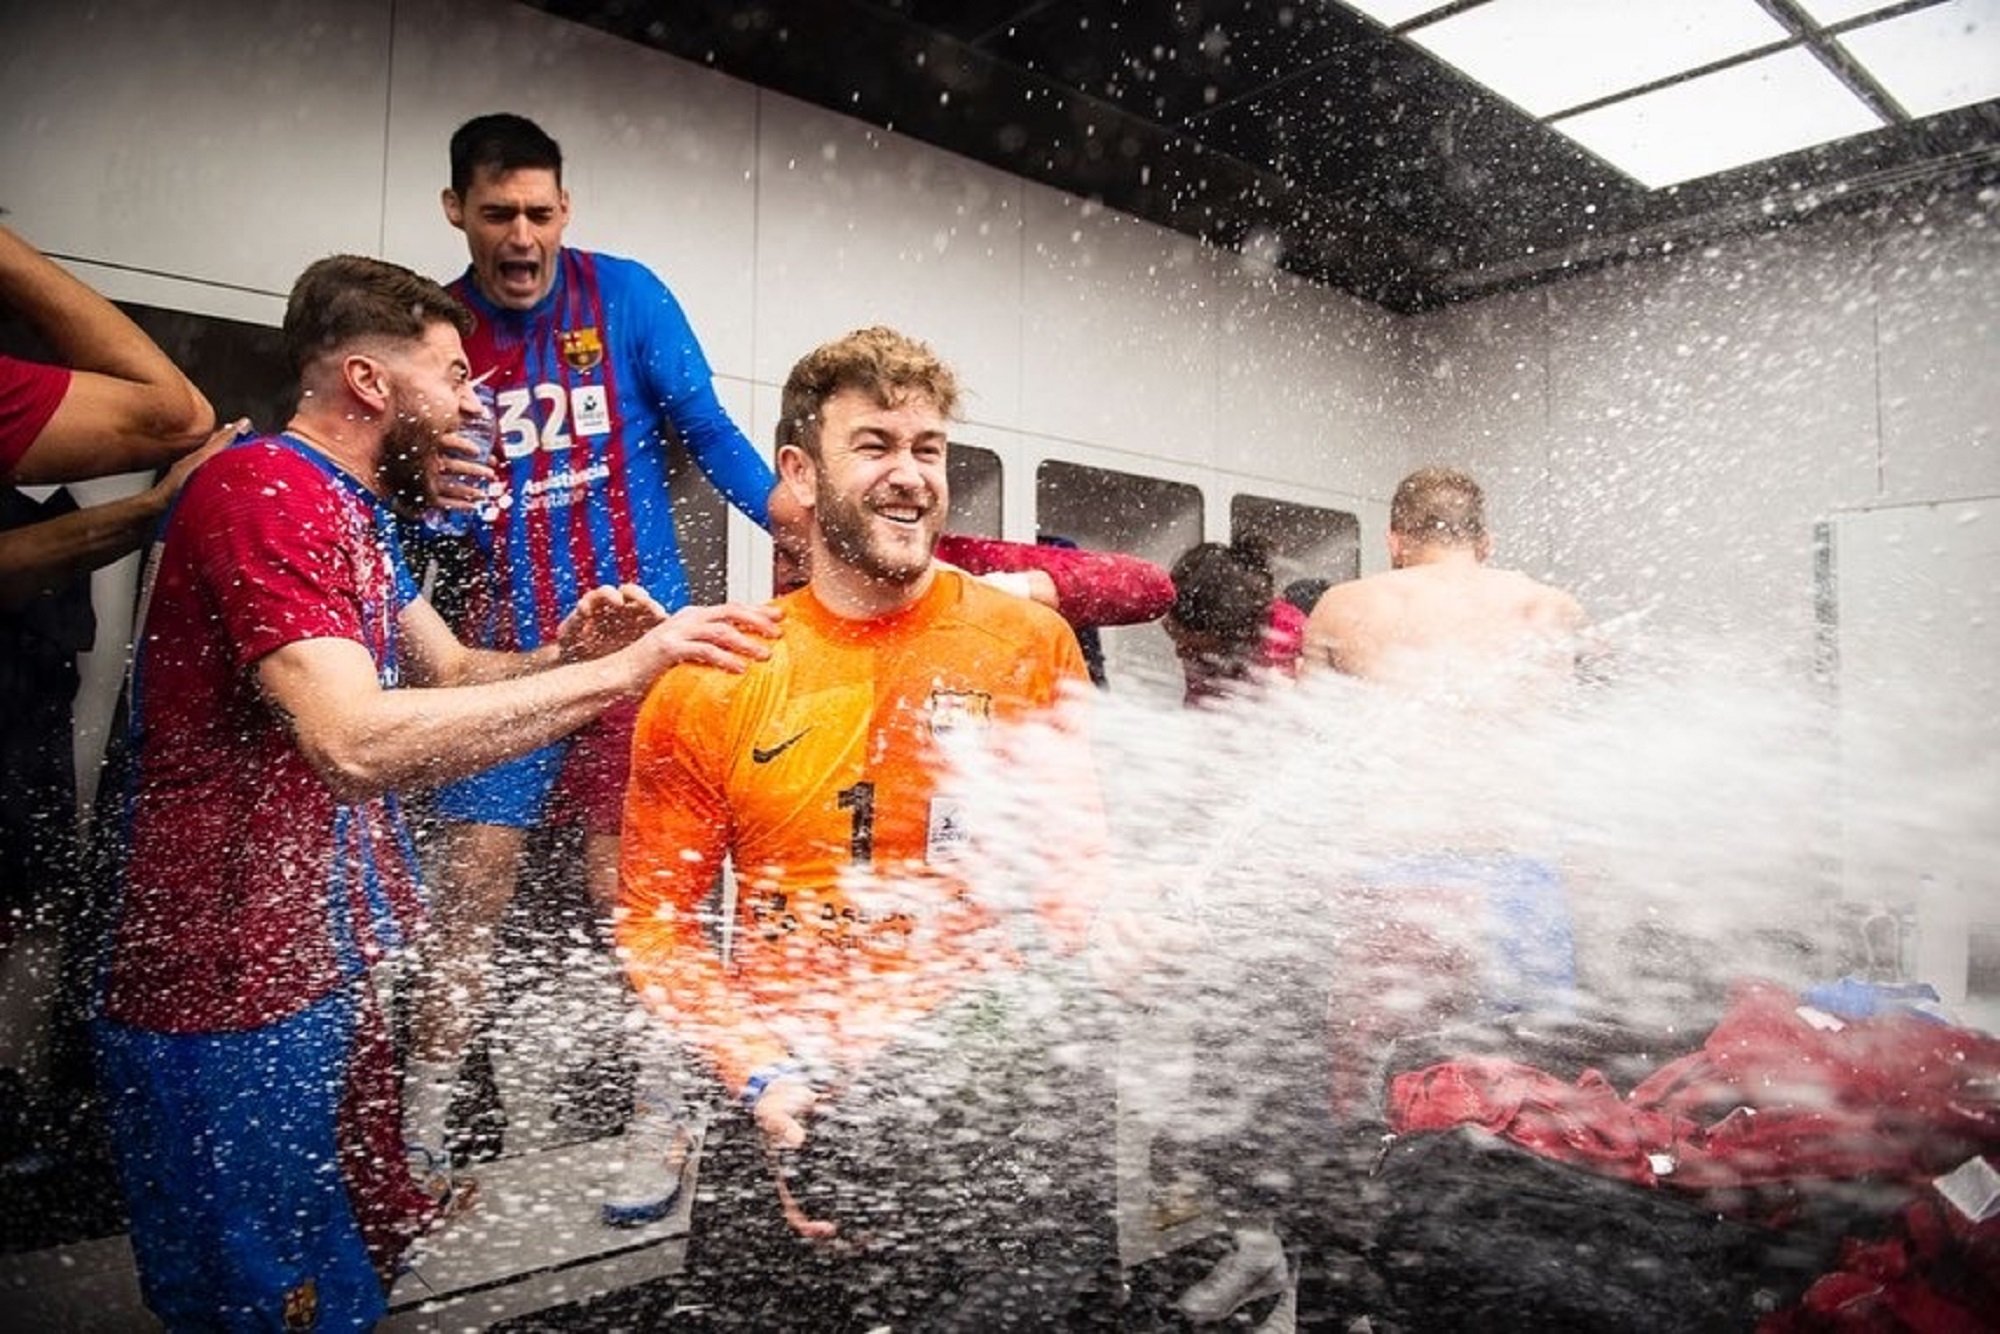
1548 55
1932 60
1389 13
1824 12
1760 109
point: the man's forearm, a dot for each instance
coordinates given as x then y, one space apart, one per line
484 666
46 555
417 738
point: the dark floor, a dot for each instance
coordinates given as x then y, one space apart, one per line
1145 1303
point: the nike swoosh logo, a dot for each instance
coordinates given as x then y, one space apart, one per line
759 755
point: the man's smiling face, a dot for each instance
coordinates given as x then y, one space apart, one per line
881 495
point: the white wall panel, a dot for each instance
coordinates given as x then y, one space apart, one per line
1918 592
658 154
1310 384
1693 416
856 226
1704 412
1120 331
1480 402
233 147
1938 284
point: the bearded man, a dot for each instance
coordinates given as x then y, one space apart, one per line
289 681
913 1083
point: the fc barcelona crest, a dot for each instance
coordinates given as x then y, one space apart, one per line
582 349
959 712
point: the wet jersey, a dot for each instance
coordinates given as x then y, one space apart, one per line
818 770
250 890
585 386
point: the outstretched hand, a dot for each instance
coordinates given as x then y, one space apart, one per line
729 635
220 439
607 619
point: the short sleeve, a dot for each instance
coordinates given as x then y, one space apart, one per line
30 393
282 551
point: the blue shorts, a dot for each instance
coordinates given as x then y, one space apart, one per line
227 1145
581 777
1528 950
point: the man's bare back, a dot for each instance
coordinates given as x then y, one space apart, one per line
1445 617
1440 620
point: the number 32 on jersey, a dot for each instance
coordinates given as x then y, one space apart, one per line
584 410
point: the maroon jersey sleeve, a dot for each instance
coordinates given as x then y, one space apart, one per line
30 393
276 544
1092 587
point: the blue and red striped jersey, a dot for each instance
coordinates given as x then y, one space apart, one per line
586 386
250 891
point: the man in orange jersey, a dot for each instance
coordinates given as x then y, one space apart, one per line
870 1015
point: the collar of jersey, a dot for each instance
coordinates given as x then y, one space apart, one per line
944 592
354 486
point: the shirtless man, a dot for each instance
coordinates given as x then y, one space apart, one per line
1458 904
1440 609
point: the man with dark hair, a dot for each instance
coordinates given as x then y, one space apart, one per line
501 143
289 682
590 365
1255 991
1227 624
871 1018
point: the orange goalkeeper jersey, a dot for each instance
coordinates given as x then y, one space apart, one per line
818 769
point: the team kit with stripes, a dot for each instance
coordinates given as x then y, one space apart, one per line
254 901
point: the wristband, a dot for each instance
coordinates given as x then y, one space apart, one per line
764 1076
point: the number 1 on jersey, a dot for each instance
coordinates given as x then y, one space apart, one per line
861 842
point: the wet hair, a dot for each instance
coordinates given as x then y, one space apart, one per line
1441 506
1224 591
344 299
888 366
1305 593
500 143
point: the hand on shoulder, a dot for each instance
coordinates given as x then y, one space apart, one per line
729 635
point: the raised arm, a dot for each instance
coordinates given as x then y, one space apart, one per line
1091 587
681 376
364 740
127 407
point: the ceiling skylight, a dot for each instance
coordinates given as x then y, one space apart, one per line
1549 55
1745 113
1389 13
1932 60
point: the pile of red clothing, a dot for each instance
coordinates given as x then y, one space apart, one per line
1781 1100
